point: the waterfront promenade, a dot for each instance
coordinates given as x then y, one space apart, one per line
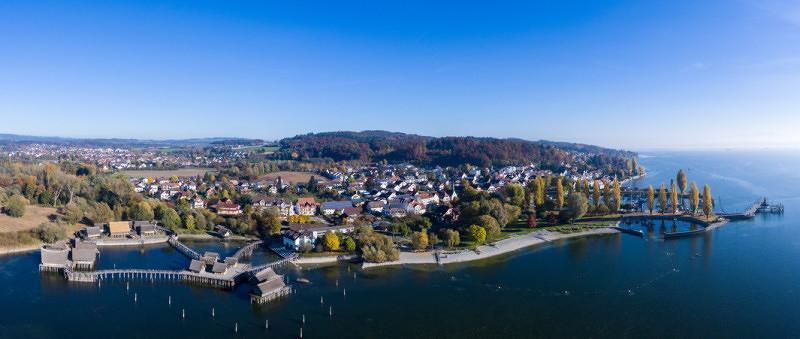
487 251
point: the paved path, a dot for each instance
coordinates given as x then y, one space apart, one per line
488 251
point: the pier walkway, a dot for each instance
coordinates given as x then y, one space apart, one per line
246 251
186 250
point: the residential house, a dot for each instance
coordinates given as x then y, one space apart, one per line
299 235
334 207
306 206
227 208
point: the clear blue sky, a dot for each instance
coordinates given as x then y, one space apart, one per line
632 74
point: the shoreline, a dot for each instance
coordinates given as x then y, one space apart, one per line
20 250
487 251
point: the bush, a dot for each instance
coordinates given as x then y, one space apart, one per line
419 240
50 233
349 244
15 206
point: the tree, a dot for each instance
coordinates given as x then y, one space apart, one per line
170 219
15 206
607 195
72 213
101 213
419 240
531 219
188 221
451 237
694 198
662 198
559 193
617 196
681 178
477 233
331 241
141 211
49 232
349 244
596 194
650 199
673 198
539 190
514 194
708 202
274 223
490 225
577 205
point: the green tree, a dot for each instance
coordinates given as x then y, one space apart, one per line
15 206
101 213
514 194
490 225
188 221
708 202
141 211
662 198
349 244
49 232
694 198
650 199
331 241
419 240
559 193
170 219
577 205
477 233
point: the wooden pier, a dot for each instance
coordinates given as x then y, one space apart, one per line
246 251
186 250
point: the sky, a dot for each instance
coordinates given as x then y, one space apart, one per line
626 74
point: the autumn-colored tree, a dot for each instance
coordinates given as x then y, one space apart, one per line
170 219
673 198
532 219
349 244
539 190
596 194
331 241
651 198
419 240
681 179
559 193
708 202
617 196
607 194
662 198
694 198
141 211
477 233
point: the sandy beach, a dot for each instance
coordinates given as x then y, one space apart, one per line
488 251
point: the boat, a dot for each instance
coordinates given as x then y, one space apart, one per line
303 280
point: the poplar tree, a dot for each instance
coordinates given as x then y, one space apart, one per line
596 194
539 191
681 178
662 198
694 198
559 194
607 194
673 198
617 195
708 202
650 198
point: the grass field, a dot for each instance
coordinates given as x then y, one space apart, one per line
294 177
183 172
34 215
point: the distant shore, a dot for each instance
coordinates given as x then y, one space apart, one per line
487 251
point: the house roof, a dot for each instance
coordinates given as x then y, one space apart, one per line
119 227
197 266
54 256
84 254
269 286
219 267
92 230
306 201
337 205
266 274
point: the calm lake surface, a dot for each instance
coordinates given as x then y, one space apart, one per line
742 280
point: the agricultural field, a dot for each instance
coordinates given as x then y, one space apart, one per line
182 172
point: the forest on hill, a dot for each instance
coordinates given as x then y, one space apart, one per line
373 146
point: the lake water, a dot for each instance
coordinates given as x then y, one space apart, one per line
739 281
